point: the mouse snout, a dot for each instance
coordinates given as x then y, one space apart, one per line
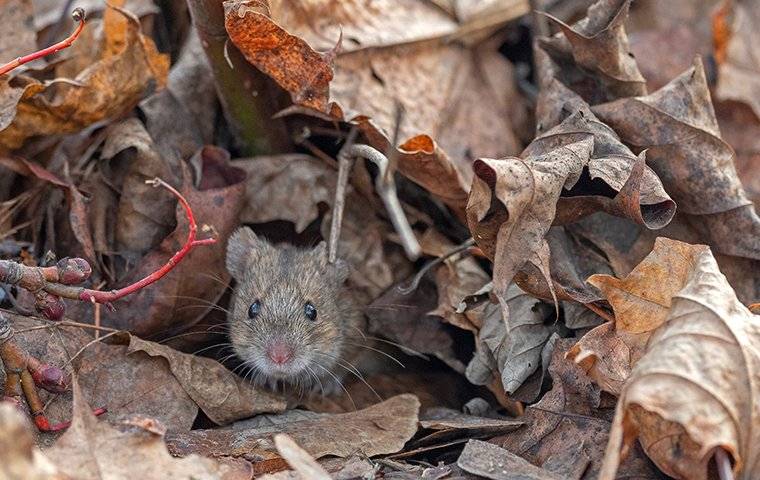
280 352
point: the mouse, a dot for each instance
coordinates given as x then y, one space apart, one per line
292 320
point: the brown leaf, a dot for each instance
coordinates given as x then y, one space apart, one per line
286 187
694 390
491 461
180 299
19 456
125 384
377 430
641 302
570 414
145 214
22 40
390 53
448 424
677 126
93 449
223 396
105 89
598 46
738 63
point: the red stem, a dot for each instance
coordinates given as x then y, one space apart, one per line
110 296
78 15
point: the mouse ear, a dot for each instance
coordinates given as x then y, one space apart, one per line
243 247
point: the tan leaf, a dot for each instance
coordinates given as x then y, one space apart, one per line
103 90
222 395
456 98
93 449
695 389
379 429
299 459
641 302
20 459
491 461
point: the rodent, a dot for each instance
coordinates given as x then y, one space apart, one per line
291 318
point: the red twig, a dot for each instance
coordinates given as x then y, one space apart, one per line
100 296
50 284
78 15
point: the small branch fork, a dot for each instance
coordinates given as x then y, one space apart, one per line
51 284
24 373
78 15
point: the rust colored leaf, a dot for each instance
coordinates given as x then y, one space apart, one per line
379 429
105 89
223 396
695 388
677 126
93 449
641 302
457 98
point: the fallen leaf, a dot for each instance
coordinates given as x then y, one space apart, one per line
223 396
46 12
677 126
20 458
379 429
145 214
64 106
93 449
491 461
693 390
448 425
603 67
738 62
641 302
303 463
570 414
390 54
23 39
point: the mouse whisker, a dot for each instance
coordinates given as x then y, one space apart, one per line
212 307
354 371
216 279
339 383
316 377
378 351
187 334
403 348
212 346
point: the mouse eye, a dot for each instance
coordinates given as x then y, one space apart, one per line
254 309
310 311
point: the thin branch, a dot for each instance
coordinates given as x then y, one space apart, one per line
345 162
415 283
78 15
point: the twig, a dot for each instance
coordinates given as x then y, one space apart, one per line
540 25
386 188
725 471
50 284
415 283
78 15
345 163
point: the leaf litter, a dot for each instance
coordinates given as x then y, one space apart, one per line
586 216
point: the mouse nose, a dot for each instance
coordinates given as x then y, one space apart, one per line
280 352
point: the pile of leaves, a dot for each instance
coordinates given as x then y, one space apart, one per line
568 279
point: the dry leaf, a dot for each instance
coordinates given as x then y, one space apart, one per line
391 53
570 415
20 459
677 126
738 62
299 459
22 39
641 302
105 89
491 461
694 390
379 429
598 46
93 449
223 396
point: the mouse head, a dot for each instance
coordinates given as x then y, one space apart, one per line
286 316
